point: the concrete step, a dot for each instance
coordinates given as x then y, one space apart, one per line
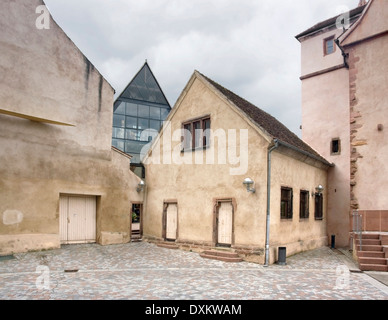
373 267
371 254
369 242
369 260
167 245
221 253
371 236
370 248
222 258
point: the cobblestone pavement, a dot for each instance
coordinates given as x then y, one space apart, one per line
143 271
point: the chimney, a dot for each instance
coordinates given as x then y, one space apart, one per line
362 3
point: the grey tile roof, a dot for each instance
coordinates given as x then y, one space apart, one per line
329 22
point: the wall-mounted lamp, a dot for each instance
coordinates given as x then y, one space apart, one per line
140 186
248 183
318 190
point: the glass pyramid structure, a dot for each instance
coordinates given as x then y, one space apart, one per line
138 114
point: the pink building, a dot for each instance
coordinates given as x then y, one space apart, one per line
345 113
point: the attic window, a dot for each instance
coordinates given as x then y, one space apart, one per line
196 134
328 46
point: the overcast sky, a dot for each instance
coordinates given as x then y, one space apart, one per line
248 46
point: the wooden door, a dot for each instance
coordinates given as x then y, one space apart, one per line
225 223
172 221
77 219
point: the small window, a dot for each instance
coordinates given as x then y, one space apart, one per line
318 206
336 146
286 203
304 205
329 46
196 134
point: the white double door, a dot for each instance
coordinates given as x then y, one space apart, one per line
77 219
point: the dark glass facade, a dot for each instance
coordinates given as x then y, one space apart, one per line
138 114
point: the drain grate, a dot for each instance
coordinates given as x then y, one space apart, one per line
71 270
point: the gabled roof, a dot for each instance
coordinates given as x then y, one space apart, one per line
353 14
267 123
145 87
271 129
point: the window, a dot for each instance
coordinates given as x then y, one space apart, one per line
286 203
196 134
304 205
318 206
336 146
328 46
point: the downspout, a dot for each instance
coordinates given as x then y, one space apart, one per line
270 150
344 54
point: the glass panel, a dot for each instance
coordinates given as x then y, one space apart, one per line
131 122
118 133
118 121
119 144
164 113
120 109
132 93
132 109
187 136
197 134
143 124
160 98
131 134
148 134
144 111
134 146
155 125
155 113
206 138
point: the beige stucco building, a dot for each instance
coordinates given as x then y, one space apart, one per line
344 113
60 179
212 141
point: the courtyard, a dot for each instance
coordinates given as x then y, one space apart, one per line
143 271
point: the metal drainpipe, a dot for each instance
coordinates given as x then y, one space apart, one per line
344 54
269 201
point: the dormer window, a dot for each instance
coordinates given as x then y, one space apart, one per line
328 46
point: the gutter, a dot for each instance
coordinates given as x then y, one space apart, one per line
268 220
289 146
